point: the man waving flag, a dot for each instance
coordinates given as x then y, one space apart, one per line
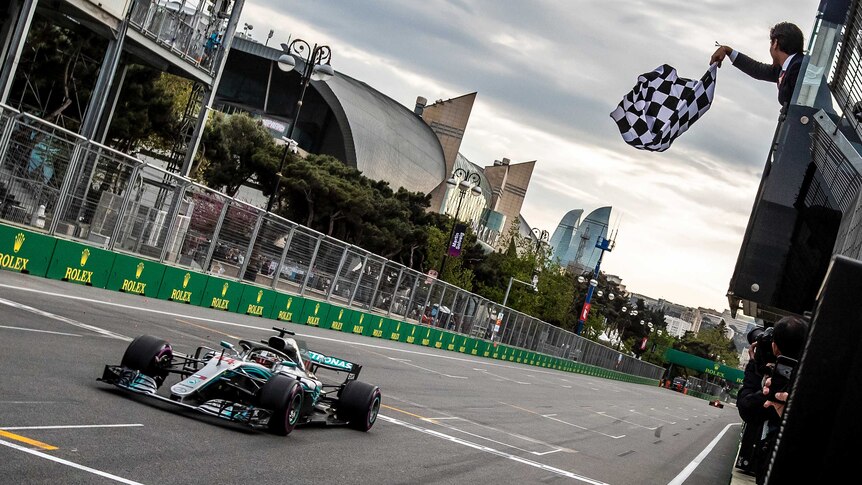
663 106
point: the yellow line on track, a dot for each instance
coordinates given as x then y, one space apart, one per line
24 439
423 418
207 328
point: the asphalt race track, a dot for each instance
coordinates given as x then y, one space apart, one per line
446 417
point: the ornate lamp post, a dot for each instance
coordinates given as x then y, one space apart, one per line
603 245
466 182
316 66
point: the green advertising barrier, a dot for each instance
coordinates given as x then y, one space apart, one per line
256 301
497 351
338 318
24 251
412 333
135 276
80 264
428 336
182 286
463 343
287 308
314 314
448 340
483 348
396 330
502 352
357 324
700 364
222 294
488 350
378 327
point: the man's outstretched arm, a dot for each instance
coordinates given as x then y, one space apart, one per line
757 70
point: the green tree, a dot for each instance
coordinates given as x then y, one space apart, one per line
235 149
145 110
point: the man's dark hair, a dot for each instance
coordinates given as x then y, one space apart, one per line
789 37
789 336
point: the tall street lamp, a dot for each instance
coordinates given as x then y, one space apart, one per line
466 182
505 300
316 66
603 245
624 311
541 238
593 283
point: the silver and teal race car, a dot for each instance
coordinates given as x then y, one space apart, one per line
271 384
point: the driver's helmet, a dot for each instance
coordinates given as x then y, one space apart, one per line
265 358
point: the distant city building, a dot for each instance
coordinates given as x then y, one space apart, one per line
676 326
574 240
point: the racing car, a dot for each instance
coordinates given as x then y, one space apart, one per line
271 384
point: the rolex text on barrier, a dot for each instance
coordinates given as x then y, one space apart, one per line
256 301
314 314
339 318
182 286
287 308
222 294
80 264
24 251
136 276
357 323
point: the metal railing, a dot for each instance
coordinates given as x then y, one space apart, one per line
186 28
59 183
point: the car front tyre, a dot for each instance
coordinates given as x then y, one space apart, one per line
282 395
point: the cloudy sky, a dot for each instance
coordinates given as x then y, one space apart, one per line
547 74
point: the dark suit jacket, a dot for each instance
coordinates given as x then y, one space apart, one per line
769 72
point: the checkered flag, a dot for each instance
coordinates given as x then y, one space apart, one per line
663 106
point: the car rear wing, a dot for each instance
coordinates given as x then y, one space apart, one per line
316 360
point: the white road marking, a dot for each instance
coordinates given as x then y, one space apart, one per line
480 425
668 414
100 331
689 469
651 417
564 422
492 451
40 331
459 430
602 413
73 426
69 463
406 362
501 377
549 415
545 453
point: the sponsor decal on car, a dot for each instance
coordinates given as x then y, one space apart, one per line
330 361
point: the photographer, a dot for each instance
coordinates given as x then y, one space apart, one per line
788 342
750 400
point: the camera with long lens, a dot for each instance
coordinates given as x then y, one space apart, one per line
763 351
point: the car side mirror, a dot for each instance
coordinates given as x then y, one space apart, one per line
288 363
226 345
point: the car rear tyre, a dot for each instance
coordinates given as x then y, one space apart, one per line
359 405
283 396
150 356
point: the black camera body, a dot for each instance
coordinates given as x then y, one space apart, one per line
782 376
763 355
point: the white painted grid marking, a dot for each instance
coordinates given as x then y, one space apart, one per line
100 331
69 463
476 446
39 331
